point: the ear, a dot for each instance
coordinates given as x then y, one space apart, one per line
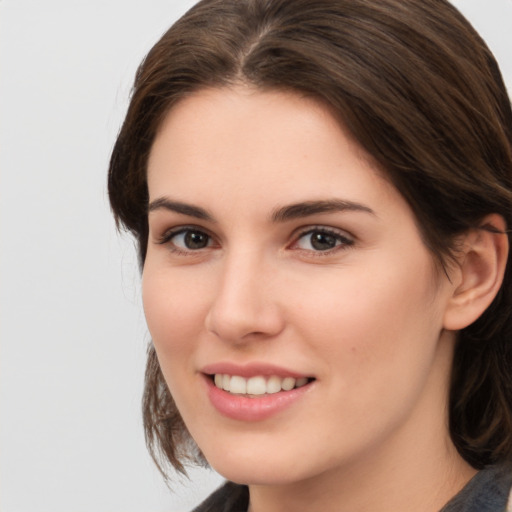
479 274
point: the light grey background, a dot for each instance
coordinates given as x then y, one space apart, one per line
73 336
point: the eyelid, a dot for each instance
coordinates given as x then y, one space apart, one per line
347 238
168 234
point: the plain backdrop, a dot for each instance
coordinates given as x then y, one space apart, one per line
73 336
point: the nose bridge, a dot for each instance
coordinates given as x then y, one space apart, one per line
244 302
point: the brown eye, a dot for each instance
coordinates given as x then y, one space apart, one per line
321 240
188 239
195 240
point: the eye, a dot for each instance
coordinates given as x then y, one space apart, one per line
322 240
187 239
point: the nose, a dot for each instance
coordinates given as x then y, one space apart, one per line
246 304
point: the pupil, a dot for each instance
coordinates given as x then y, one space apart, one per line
323 241
196 240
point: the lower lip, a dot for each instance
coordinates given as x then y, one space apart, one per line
243 408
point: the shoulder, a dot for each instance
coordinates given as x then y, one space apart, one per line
230 497
488 491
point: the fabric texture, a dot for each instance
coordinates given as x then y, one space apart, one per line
488 491
228 498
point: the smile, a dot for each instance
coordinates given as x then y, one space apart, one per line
257 385
255 398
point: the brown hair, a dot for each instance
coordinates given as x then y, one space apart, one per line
418 89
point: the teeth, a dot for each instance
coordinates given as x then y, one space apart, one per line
238 385
288 383
258 385
273 384
301 382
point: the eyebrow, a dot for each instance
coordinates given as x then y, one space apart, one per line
307 208
282 214
179 207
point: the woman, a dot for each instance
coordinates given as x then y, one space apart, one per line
321 196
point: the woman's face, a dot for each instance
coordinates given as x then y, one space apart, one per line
283 267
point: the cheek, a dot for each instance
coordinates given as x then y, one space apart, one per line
376 338
373 323
174 307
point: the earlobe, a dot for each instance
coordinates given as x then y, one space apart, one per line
480 272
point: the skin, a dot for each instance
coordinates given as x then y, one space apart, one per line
365 318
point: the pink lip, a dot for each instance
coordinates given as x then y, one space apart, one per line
247 409
250 370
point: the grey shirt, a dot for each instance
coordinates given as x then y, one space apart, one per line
487 491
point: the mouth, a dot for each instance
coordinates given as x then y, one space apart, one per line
255 392
257 386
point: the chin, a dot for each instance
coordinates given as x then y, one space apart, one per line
259 466
248 474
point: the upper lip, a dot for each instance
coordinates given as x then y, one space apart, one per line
250 370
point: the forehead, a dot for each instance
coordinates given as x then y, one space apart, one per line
222 120
247 136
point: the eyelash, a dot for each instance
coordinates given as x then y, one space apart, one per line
167 237
343 241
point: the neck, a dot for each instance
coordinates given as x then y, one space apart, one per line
418 482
